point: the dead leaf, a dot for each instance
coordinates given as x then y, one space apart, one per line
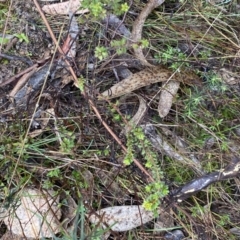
36 214
87 191
228 76
10 236
164 221
64 8
166 97
122 218
69 214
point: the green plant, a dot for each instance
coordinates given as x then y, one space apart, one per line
156 190
68 142
54 173
3 14
193 102
81 83
120 45
197 211
101 53
99 8
22 37
224 220
143 43
177 172
214 82
173 56
4 40
205 54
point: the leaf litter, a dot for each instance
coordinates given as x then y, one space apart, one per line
64 8
121 218
132 83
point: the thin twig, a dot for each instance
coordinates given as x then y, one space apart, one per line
15 77
13 57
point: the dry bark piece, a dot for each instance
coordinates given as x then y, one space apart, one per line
146 77
21 82
136 81
137 118
166 98
64 8
34 83
15 77
36 215
138 26
191 188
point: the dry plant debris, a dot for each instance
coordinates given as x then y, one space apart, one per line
137 118
136 35
36 215
121 218
64 8
167 95
90 139
146 77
